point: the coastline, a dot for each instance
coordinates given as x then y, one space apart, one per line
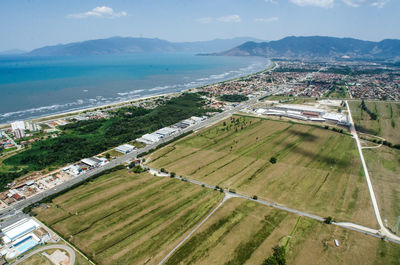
55 116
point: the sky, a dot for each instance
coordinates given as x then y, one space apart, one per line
30 24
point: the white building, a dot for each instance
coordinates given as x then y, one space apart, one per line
18 229
18 133
92 161
167 131
18 125
125 148
149 138
31 126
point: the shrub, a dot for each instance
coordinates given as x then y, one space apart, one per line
255 197
328 220
273 160
173 174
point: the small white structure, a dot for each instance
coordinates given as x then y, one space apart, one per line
73 170
125 148
336 242
19 229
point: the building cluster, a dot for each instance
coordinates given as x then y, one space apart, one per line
316 79
160 134
5 142
21 236
305 113
19 128
24 188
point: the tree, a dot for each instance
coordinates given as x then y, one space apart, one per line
173 174
255 197
278 257
108 155
328 220
273 160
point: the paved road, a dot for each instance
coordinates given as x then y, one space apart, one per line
69 250
16 207
383 230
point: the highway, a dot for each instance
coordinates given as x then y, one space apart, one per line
14 209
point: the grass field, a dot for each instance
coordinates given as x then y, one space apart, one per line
126 218
318 171
244 232
384 169
387 125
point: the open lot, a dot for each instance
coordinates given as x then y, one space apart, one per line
126 218
244 232
317 170
384 169
387 124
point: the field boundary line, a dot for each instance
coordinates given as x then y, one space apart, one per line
65 241
226 197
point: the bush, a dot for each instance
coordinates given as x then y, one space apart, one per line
163 170
277 258
273 160
255 197
173 174
328 220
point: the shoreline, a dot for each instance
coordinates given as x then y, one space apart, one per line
55 116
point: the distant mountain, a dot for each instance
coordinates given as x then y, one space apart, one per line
122 45
12 52
318 47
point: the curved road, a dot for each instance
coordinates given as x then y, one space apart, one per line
69 250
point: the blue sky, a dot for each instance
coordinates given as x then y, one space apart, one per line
29 24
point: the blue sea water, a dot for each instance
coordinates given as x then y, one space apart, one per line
37 86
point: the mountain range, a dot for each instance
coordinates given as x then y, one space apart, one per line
123 45
318 47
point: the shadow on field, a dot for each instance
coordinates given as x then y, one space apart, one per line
306 136
328 160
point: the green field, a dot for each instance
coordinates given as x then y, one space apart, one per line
384 168
126 218
317 170
387 124
244 232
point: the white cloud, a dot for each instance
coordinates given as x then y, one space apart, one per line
267 20
231 18
318 3
101 12
357 3
271 1
380 3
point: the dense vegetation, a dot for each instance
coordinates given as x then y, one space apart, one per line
277 258
371 114
234 98
87 138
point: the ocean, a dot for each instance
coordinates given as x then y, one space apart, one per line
32 87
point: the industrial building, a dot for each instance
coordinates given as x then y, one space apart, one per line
22 236
125 148
305 113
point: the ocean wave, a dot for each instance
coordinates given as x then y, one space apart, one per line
133 92
158 88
